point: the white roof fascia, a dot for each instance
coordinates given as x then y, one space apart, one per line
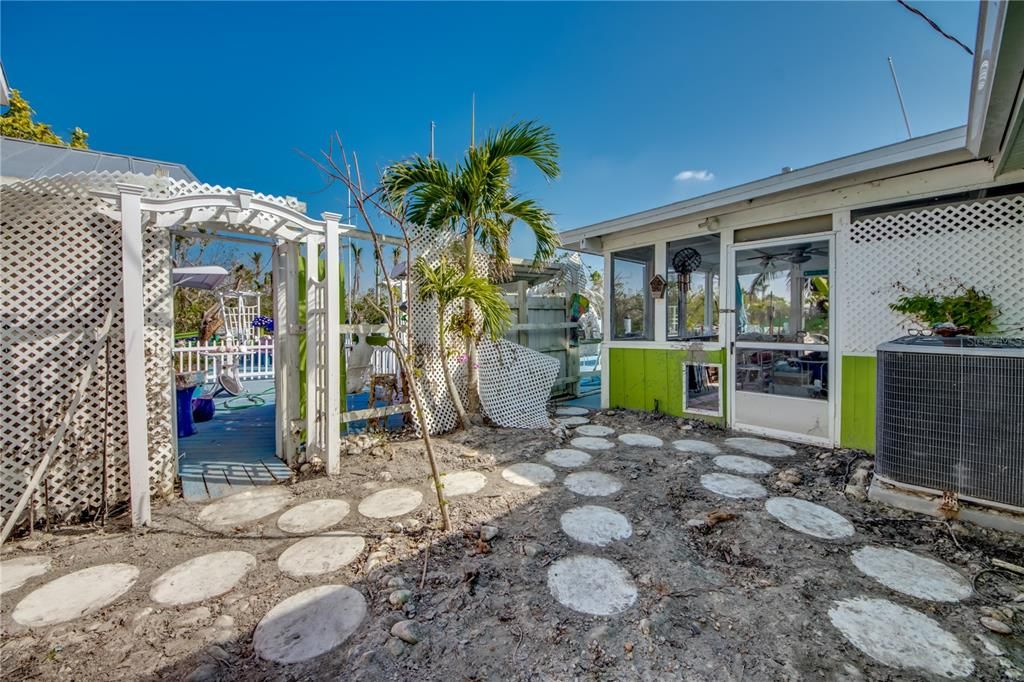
914 149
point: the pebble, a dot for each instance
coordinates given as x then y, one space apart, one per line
399 597
532 549
396 583
395 647
997 626
224 622
645 627
791 476
218 654
203 673
488 533
407 631
193 617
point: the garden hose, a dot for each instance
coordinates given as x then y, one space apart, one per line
255 400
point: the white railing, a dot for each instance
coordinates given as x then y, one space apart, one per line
254 361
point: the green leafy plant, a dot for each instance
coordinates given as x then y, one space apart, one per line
964 307
17 122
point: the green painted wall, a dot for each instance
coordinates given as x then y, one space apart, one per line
858 404
652 378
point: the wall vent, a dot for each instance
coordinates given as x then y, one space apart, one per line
951 417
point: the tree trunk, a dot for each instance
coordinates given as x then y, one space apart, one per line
472 371
460 411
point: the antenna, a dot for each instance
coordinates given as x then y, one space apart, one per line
899 94
472 123
432 126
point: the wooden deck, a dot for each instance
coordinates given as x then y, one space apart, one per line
233 451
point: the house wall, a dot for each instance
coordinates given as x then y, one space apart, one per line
980 242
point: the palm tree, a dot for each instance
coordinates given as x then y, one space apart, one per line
447 283
475 198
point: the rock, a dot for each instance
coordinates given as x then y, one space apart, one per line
203 673
407 630
397 527
386 476
488 533
395 647
399 597
413 525
396 583
784 486
645 627
218 654
305 468
791 476
991 646
223 622
997 626
1019 599
143 614
532 549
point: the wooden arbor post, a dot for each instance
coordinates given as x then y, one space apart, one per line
136 413
332 344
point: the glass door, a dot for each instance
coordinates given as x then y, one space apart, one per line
782 338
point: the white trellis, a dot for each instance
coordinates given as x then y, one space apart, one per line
68 243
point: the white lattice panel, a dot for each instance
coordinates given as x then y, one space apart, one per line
979 243
515 384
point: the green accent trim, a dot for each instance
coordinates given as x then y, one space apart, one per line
645 378
858 407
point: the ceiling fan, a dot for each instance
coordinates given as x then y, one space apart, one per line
796 255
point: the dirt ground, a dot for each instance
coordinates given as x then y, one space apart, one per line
744 599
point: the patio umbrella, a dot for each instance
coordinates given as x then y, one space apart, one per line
206 277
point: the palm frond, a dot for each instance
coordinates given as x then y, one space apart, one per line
526 139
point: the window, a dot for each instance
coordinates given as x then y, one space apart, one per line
631 297
699 309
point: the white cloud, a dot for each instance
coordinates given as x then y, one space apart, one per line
698 175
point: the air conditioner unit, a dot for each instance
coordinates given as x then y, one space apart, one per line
950 418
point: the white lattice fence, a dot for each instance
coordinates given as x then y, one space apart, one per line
980 243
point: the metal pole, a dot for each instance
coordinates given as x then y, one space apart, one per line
899 94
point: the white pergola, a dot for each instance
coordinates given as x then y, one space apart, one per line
211 211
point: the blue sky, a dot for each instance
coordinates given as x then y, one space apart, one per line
637 93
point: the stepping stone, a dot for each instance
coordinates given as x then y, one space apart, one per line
245 507
590 443
900 637
743 465
594 430
912 574
325 553
809 518
463 483
573 421
596 525
385 504
571 411
592 483
528 474
16 572
74 595
760 447
314 516
309 624
735 487
641 440
204 577
591 585
698 447
567 457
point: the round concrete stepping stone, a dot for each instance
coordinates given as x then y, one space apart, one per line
911 574
594 430
204 577
641 440
243 508
592 483
309 623
596 525
590 443
743 465
75 595
463 483
567 457
591 585
760 447
391 502
324 553
528 474
697 447
16 572
807 517
313 516
573 421
900 637
572 411
735 487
